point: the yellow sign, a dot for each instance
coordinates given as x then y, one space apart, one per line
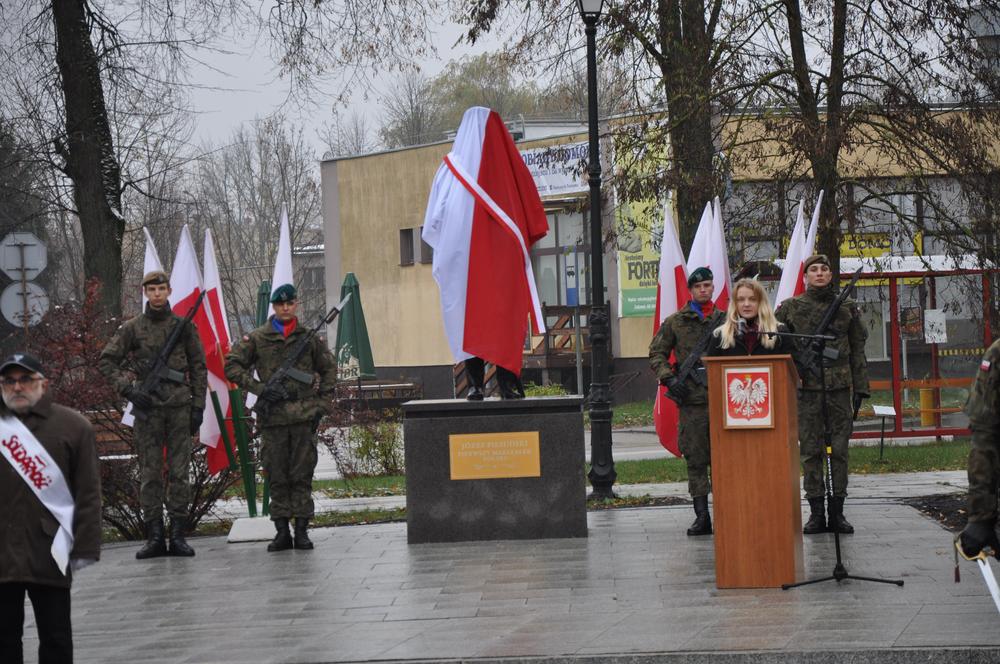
479 456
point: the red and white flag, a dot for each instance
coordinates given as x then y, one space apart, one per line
698 255
150 263
794 258
708 249
483 216
215 304
671 294
810 245
283 273
186 285
800 247
718 258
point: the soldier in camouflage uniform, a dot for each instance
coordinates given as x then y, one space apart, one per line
983 409
846 386
168 418
290 412
680 334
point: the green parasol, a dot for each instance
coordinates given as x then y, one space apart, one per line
354 350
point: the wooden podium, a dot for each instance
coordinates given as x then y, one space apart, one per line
757 517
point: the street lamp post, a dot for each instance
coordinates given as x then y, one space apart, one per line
602 466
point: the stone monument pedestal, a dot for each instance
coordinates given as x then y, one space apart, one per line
494 470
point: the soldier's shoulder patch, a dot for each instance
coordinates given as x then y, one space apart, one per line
246 337
985 365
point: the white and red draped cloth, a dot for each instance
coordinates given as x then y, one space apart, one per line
483 216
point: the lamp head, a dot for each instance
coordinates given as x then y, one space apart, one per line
590 10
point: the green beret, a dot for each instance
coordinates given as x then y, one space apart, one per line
155 277
816 258
284 293
701 274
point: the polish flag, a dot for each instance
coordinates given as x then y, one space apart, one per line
800 247
150 263
215 305
671 294
283 273
810 246
186 285
792 272
483 216
698 255
708 249
718 258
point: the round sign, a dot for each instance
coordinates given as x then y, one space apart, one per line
14 298
22 252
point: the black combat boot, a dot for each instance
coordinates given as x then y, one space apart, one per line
155 545
509 384
703 520
177 544
475 369
817 519
302 540
283 540
837 520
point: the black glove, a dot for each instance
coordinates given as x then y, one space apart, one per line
139 399
977 536
858 398
317 418
678 389
274 393
197 415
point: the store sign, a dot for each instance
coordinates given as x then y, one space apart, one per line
558 169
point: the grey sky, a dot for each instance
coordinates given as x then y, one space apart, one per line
248 85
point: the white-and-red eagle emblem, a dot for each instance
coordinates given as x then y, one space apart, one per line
748 397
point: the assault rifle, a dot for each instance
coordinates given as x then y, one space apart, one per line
690 365
159 370
808 356
287 368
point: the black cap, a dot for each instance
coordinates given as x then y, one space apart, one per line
700 274
23 360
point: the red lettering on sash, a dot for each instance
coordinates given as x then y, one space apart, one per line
33 468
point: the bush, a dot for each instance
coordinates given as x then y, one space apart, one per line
363 441
69 341
553 390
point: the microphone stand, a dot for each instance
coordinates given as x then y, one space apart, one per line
839 570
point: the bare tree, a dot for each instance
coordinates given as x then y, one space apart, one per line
238 191
348 136
410 114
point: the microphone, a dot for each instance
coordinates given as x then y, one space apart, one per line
741 327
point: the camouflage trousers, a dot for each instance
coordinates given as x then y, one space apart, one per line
164 427
841 417
984 473
288 457
696 446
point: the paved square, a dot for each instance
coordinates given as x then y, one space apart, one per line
637 584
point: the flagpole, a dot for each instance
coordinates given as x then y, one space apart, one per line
602 466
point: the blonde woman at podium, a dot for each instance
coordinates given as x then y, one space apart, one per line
748 321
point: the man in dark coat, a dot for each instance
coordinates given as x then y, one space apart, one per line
50 490
167 419
680 334
846 386
290 414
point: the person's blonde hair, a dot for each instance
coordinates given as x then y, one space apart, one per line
766 322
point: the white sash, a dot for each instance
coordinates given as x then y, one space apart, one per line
41 473
451 159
